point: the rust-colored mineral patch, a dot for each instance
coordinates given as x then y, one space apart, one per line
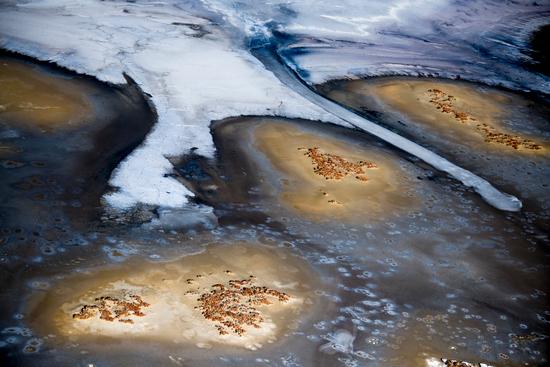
111 309
234 305
454 363
335 167
457 363
492 135
444 103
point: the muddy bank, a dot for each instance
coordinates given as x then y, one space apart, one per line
499 135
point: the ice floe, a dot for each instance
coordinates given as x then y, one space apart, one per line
192 70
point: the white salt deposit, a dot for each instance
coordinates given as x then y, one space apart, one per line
196 72
192 80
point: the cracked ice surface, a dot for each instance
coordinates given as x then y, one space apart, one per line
481 40
192 70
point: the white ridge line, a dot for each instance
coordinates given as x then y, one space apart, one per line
488 192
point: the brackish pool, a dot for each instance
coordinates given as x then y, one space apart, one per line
325 245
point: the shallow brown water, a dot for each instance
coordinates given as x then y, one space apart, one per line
39 100
403 104
171 291
367 192
410 265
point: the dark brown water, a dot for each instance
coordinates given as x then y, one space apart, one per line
422 269
63 134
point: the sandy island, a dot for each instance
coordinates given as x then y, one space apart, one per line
239 295
462 112
326 177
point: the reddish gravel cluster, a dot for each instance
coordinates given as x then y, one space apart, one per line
233 306
111 309
453 363
457 363
514 141
444 103
334 167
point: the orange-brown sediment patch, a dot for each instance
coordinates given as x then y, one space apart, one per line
334 167
113 309
234 305
444 103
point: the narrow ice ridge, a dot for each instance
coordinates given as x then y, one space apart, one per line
488 192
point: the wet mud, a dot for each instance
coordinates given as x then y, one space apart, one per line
406 265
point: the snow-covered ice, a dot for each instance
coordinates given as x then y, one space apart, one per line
193 78
197 69
479 40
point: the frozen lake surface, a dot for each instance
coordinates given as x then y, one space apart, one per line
292 183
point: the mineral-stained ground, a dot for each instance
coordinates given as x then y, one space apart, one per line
215 183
